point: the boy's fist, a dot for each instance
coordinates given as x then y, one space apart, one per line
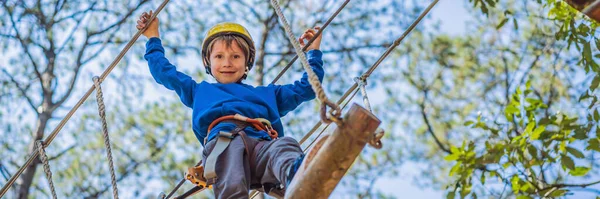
308 35
152 30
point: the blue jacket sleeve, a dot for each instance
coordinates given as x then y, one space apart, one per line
292 95
166 74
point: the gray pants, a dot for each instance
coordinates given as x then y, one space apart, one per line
271 160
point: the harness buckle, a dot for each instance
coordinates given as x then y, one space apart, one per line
196 176
226 134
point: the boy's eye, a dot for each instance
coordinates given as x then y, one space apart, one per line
218 56
236 56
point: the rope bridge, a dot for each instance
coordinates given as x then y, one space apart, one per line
374 139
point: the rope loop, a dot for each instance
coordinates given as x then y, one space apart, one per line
40 146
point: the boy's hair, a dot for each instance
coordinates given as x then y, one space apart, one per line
229 39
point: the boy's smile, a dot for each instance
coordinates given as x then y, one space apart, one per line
227 62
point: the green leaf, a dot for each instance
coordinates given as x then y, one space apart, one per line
584 96
575 152
558 193
537 132
579 171
453 149
567 162
515 24
587 51
562 147
529 128
524 197
516 186
454 169
510 109
595 82
593 144
532 151
451 195
468 123
502 23
596 115
452 157
533 100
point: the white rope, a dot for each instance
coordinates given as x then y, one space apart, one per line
44 159
102 114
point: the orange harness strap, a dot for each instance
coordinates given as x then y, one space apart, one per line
258 123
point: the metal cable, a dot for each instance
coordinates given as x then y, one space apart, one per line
375 65
362 82
311 41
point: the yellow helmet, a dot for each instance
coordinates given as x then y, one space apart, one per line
227 28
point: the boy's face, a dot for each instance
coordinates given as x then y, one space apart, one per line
227 64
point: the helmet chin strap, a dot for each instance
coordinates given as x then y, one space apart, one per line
245 75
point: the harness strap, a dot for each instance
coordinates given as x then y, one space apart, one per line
258 123
225 138
223 141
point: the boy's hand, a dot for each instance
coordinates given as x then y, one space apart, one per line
308 35
152 30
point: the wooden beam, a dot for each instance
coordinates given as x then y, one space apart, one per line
591 8
335 157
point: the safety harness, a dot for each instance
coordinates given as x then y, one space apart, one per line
204 176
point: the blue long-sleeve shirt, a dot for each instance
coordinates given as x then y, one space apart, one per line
210 101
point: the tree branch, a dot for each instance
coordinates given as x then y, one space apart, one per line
120 21
22 90
76 71
251 8
75 28
126 173
584 185
62 152
429 127
22 42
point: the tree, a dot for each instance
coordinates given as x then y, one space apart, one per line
502 104
48 46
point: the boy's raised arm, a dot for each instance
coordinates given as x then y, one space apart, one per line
292 95
161 69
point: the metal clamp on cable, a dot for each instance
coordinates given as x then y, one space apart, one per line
362 82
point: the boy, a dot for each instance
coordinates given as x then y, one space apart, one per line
239 153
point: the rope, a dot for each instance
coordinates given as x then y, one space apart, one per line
311 41
44 159
79 103
102 114
362 82
312 77
374 66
